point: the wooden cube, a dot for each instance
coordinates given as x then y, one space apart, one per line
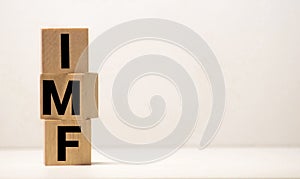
69 96
67 142
62 48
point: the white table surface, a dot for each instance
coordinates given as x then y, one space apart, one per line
187 163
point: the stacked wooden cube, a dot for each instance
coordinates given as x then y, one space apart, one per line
68 96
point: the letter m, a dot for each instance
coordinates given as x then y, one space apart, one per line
49 89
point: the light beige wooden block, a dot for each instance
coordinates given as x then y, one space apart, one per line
58 131
52 50
69 96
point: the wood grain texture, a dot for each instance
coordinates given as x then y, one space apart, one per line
80 155
51 50
88 95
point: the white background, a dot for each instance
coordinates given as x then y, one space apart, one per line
256 43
